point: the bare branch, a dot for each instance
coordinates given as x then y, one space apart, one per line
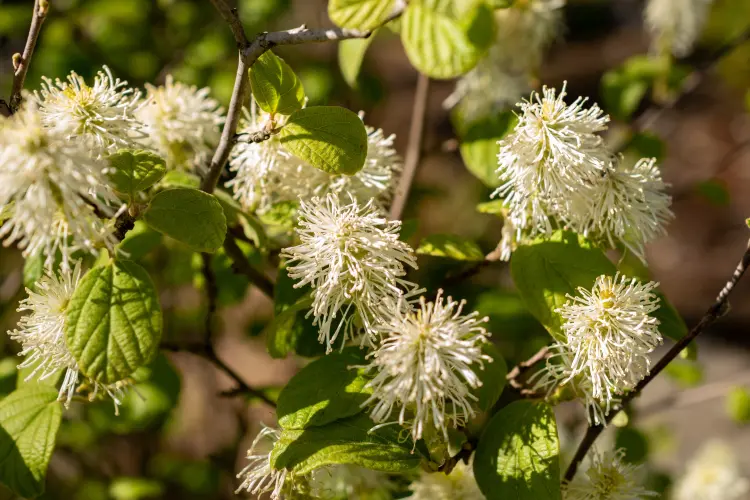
716 311
243 266
523 367
21 63
414 149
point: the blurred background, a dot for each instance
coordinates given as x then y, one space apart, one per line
194 450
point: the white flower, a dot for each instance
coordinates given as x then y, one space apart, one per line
41 333
182 123
53 191
546 160
349 482
354 261
609 477
458 485
267 174
259 476
424 365
609 334
524 31
626 204
676 24
712 474
102 116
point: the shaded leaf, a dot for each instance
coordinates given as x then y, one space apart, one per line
450 246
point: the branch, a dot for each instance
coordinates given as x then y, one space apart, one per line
522 368
241 265
21 64
414 149
718 309
464 454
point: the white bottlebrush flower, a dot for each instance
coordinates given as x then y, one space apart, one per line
712 474
608 477
625 204
349 482
41 333
182 123
458 485
425 365
102 116
351 256
52 190
259 476
544 163
609 334
266 173
675 25
524 31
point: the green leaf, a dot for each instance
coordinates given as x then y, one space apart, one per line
139 241
135 488
671 323
446 38
324 391
29 420
8 375
330 138
687 373
738 404
546 270
360 14
450 246
351 56
135 170
275 86
492 377
33 270
714 191
190 216
518 454
479 145
646 145
347 441
494 207
113 321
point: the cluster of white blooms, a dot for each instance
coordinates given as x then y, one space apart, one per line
349 482
52 190
458 485
713 474
609 334
675 25
41 335
102 116
259 476
266 174
556 172
425 365
608 477
182 123
524 31
351 256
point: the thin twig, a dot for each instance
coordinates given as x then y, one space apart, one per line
21 64
243 266
716 311
463 455
523 367
414 149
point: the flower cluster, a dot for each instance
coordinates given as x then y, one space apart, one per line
351 256
458 485
426 365
266 174
608 477
556 172
609 333
714 473
259 476
676 24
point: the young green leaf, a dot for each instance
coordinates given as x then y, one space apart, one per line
518 454
479 146
360 14
351 56
135 170
275 86
548 269
113 321
330 138
450 246
328 389
348 441
190 216
446 38
29 420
